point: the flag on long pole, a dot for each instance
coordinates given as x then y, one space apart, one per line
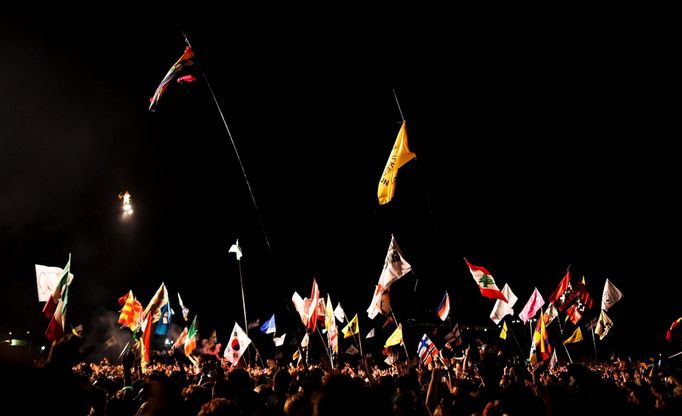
485 282
178 68
400 155
610 296
395 267
502 308
444 307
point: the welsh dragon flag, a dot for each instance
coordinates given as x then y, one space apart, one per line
485 282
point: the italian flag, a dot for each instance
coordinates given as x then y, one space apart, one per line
485 282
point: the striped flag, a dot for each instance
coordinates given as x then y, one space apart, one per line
191 340
444 307
177 70
427 351
485 282
131 312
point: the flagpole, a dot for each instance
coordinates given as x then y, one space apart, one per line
515 340
594 342
326 347
234 146
561 331
359 342
246 322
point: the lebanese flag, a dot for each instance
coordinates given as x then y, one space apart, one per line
485 282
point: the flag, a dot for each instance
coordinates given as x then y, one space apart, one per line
395 267
299 304
185 310
576 300
400 154
553 360
563 285
503 333
444 307
236 250
185 61
583 281
77 330
62 283
47 279
279 341
55 307
551 313
213 339
110 342
454 337
485 282
311 324
541 348
352 328
610 296
191 339
395 338
370 334
297 355
181 338
328 314
604 324
532 306
269 327
154 304
390 360
145 357
131 312
502 308
669 334
333 337
427 351
237 344
254 324
576 337
305 341
339 313
352 350
164 315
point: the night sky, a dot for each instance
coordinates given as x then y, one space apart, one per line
538 145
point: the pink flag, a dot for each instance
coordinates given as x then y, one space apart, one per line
532 306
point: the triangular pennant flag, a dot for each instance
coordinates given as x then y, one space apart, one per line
352 350
305 341
395 338
486 283
400 154
577 336
370 334
610 296
502 308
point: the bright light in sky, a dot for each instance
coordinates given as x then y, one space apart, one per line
127 203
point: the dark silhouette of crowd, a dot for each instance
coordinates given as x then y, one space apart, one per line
482 382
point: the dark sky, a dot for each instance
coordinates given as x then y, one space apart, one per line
538 145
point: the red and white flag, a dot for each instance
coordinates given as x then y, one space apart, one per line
485 282
237 344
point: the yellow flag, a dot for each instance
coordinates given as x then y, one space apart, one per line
395 338
584 280
296 356
503 333
351 328
400 154
576 337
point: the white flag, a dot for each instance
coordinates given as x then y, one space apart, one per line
553 360
610 296
305 341
339 313
236 250
370 334
502 308
604 324
551 313
279 341
237 344
300 306
395 267
185 310
47 279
